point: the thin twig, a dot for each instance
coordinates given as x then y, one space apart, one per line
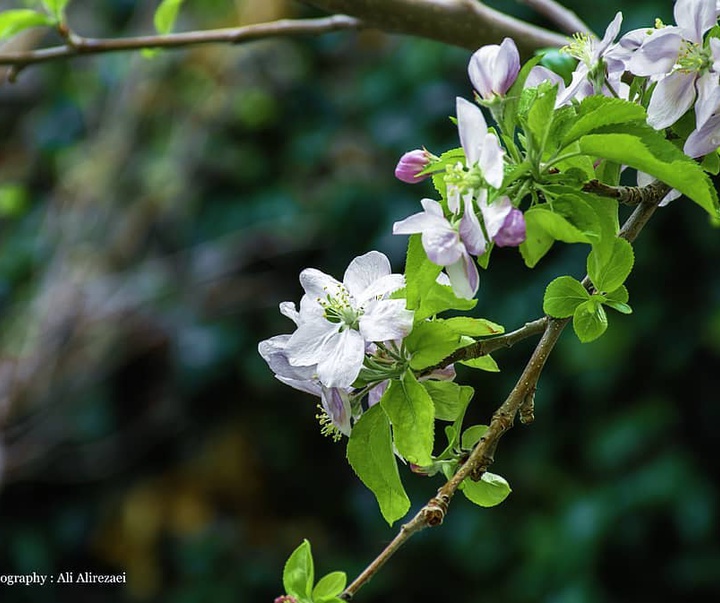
483 455
628 195
564 18
78 45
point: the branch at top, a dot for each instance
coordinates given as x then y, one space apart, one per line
564 18
465 23
78 45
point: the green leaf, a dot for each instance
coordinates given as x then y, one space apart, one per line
430 342
420 272
556 225
166 15
370 454
589 320
14 21
643 148
540 116
56 7
563 296
472 435
609 273
299 572
449 399
489 491
438 298
617 300
537 240
596 112
484 363
473 327
410 409
329 587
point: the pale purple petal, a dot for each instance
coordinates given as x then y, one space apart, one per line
491 161
540 74
365 270
336 403
464 277
274 352
432 217
658 53
672 97
579 87
470 230
493 68
512 232
307 345
442 245
494 214
342 359
708 101
411 164
611 33
309 387
471 128
377 392
319 285
695 17
704 140
442 374
386 319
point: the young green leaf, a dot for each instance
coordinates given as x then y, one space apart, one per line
540 116
438 298
589 320
489 491
370 453
595 112
166 15
472 435
420 272
56 7
483 363
412 415
537 240
563 296
14 21
608 273
329 587
430 342
449 399
299 572
556 225
473 327
617 300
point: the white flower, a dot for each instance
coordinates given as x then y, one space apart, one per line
482 149
338 320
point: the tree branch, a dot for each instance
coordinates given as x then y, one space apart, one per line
629 195
564 18
78 45
483 455
465 23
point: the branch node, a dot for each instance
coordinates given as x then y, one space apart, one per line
527 408
435 510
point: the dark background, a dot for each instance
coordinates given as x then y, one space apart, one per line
156 211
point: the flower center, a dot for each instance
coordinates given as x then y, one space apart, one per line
327 428
581 47
339 309
693 58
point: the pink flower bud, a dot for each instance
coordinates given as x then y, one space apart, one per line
493 69
512 232
286 599
411 164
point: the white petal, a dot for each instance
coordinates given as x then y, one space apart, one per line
494 214
464 277
364 270
610 34
336 403
274 352
472 129
471 232
309 387
708 101
382 288
307 345
657 54
385 320
491 161
318 284
288 309
672 97
442 245
418 223
695 17
342 360
704 140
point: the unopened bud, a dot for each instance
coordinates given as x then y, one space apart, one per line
512 232
411 164
286 599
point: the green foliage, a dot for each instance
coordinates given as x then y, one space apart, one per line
472 435
484 363
14 21
473 327
412 416
490 490
563 296
449 398
370 453
589 320
608 271
166 15
430 342
56 8
299 572
329 587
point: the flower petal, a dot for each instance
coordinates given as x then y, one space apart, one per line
704 140
364 270
657 54
342 359
307 345
319 285
464 277
494 214
491 161
470 230
385 320
442 245
274 352
471 128
672 97
336 403
695 17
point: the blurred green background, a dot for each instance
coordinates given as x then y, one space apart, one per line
154 212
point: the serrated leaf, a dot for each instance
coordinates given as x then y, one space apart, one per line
557 226
489 491
596 112
537 241
483 363
472 435
370 454
438 298
562 297
609 273
646 150
430 342
540 115
449 399
617 300
329 587
410 409
299 572
589 320
166 15
473 327
14 21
